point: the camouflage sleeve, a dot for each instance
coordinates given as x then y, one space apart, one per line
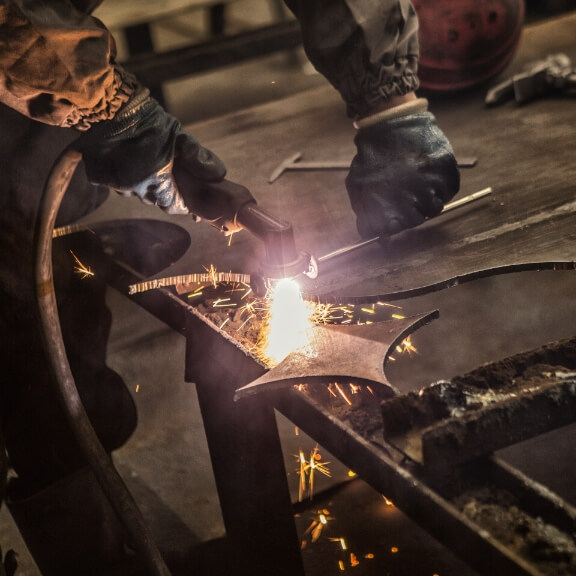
57 64
367 49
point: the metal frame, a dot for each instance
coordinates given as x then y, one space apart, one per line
243 441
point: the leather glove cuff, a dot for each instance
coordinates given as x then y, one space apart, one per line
413 107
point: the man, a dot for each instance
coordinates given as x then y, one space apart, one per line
60 84
58 67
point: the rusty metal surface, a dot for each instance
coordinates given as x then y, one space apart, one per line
496 420
490 513
497 405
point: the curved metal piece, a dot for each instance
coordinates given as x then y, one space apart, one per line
437 286
354 353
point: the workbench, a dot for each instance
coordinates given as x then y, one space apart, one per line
526 154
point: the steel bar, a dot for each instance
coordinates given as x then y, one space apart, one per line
448 208
293 163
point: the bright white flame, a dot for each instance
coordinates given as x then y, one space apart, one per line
289 322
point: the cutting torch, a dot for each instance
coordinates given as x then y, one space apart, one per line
230 207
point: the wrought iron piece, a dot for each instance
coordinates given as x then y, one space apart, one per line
318 292
495 406
356 353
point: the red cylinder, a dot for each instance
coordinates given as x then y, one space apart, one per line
464 43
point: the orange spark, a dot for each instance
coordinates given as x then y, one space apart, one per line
212 274
80 268
317 525
341 541
307 469
343 394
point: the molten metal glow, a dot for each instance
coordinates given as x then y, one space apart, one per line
270 327
289 322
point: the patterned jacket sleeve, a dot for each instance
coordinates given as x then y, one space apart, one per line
57 64
367 49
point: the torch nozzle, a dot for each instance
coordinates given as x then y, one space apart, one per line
282 259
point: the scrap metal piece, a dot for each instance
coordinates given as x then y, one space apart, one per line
337 352
498 405
553 74
184 281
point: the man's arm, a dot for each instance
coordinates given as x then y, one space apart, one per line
404 170
57 64
367 49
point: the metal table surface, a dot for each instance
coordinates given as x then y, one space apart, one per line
526 154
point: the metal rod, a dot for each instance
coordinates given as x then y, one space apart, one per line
451 206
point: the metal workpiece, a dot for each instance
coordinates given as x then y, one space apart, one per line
353 432
333 353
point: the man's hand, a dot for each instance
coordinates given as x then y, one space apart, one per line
403 173
134 154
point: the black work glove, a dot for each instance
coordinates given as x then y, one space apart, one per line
403 173
134 153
